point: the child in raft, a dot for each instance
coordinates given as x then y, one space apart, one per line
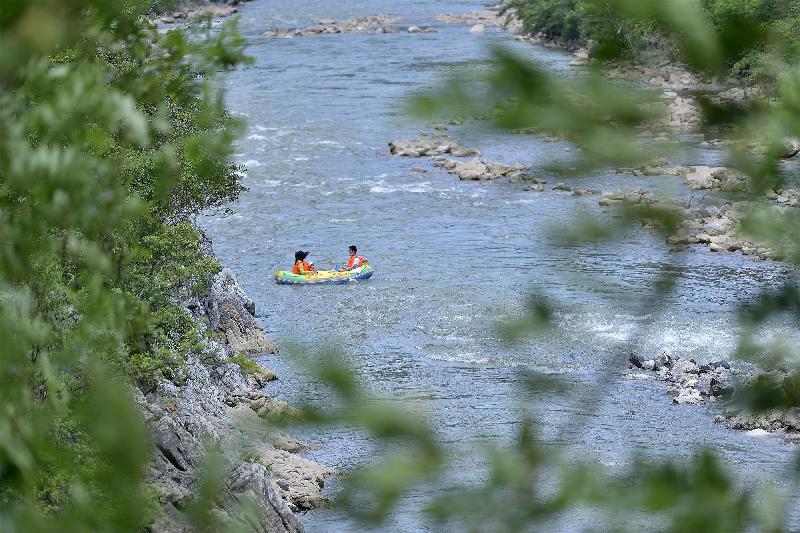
300 265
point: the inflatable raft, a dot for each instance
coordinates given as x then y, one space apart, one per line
285 277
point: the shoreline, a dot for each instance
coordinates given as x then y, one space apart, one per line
220 404
195 8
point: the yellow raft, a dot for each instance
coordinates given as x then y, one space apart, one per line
286 277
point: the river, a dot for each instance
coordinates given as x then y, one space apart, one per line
453 258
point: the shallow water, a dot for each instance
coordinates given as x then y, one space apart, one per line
453 258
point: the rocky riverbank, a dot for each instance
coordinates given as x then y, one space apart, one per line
195 8
218 404
690 383
367 24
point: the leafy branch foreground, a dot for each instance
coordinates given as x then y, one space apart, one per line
112 138
112 135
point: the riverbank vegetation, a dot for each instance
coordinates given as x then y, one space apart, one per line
752 32
113 137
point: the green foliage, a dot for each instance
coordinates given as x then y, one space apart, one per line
555 18
111 133
247 365
648 32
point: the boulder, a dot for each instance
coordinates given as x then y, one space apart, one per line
473 18
689 396
721 384
580 191
478 28
428 147
636 359
684 366
791 147
663 360
250 484
715 178
231 312
299 481
479 169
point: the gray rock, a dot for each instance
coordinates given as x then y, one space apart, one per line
791 147
663 360
721 384
637 360
688 396
479 169
250 483
230 311
684 366
428 147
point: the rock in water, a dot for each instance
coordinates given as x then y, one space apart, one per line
791 147
478 28
637 360
688 396
720 384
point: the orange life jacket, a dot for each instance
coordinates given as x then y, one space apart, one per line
355 261
301 267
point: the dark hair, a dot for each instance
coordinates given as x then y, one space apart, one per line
353 248
300 255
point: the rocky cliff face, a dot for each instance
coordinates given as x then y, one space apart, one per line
217 406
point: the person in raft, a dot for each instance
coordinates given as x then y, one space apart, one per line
355 260
300 265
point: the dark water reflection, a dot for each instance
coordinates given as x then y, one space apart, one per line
453 258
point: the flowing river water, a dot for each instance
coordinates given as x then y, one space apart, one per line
453 258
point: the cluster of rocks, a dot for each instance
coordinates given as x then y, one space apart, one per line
418 29
696 177
786 197
478 169
190 10
216 405
786 421
367 24
577 191
429 147
695 384
473 18
718 228
715 178
687 381
628 197
665 75
682 112
542 38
